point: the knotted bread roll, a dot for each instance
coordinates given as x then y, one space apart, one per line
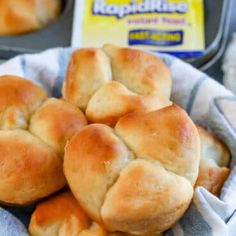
141 82
62 215
139 177
215 157
31 162
22 16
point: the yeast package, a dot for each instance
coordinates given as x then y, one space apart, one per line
172 26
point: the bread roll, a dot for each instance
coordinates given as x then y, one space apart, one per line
22 16
29 169
215 158
19 99
143 186
55 122
113 100
139 71
62 215
87 71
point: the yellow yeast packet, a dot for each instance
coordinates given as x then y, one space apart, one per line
172 26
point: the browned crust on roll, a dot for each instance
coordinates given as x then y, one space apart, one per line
87 71
29 169
139 71
167 135
62 213
55 122
19 99
215 158
212 178
99 171
146 198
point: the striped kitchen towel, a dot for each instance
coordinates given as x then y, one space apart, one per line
206 101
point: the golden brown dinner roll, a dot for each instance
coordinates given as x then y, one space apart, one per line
142 186
87 71
21 16
215 157
29 169
113 100
139 71
55 122
62 215
19 99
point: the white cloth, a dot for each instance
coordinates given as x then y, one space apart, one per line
10 225
192 90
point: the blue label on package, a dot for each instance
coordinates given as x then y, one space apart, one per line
156 37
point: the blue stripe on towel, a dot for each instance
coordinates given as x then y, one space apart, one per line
23 65
192 223
229 187
233 214
216 103
193 94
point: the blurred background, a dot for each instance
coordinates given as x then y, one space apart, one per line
31 28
